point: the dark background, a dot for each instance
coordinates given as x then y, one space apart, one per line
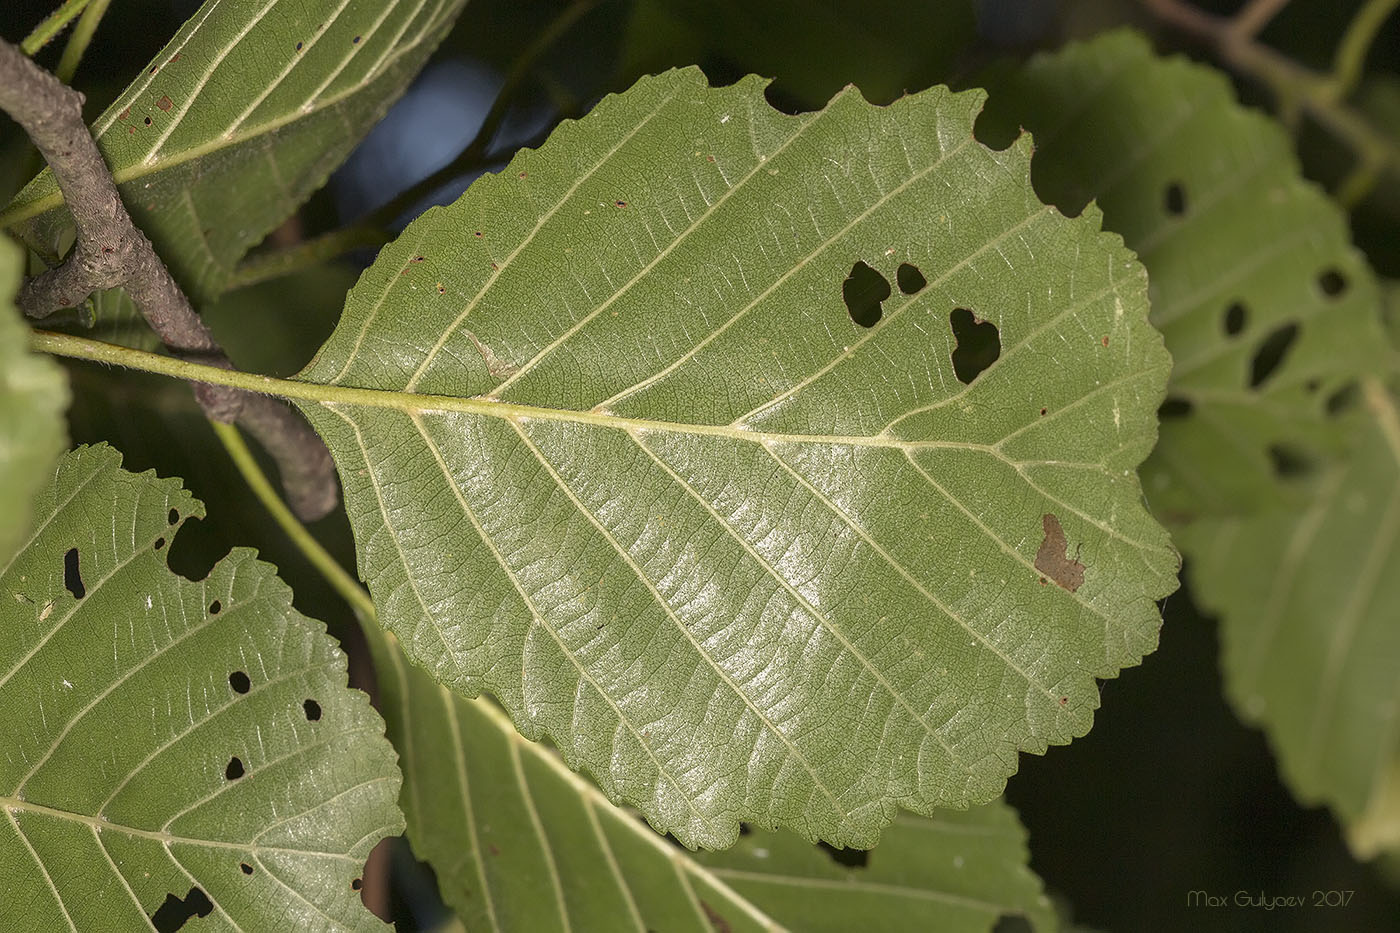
1169 793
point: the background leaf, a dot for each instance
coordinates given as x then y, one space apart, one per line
519 842
1284 496
241 117
172 741
1310 648
614 449
1267 309
33 395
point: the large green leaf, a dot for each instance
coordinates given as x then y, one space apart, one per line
241 117
614 450
162 735
33 395
519 842
1242 252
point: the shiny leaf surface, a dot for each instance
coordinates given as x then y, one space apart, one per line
616 450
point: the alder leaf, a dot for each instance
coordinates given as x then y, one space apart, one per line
33 396
615 450
1309 646
519 842
239 119
1267 309
173 747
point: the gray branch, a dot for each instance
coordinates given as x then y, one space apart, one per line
110 251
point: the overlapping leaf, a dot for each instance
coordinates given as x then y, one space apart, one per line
33 395
1238 245
241 117
1311 650
170 745
1267 309
615 450
518 842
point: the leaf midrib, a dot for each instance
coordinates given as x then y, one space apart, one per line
16 805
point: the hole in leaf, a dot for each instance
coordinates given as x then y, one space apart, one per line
175 911
1174 407
979 344
245 868
72 577
160 543
1012 923
239 681
312 709
745 829
173 517
357 883
851 858
1342 399
1235 317
1288 461
215 607
1175 199
863 291
234 771
1332 282
1271 353
910 280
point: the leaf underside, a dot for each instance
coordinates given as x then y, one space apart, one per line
615 450
239 119
1285 495
1268 310
167 741
519 842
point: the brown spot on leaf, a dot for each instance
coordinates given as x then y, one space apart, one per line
124 114
165 103
1053 558
174 58
1105 341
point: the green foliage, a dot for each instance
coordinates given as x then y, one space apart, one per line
32 398
643 499
162 735
744 476
238 119
519 842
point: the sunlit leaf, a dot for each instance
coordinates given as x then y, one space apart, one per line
519 842
33 395
172 745
1267 309
241 117
615 450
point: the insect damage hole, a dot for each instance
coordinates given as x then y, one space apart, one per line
862 292
1271 354
909 279
979 344
240 682
1235 317
1053 558
1175 199
72 576
234 771
175 911
312 710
